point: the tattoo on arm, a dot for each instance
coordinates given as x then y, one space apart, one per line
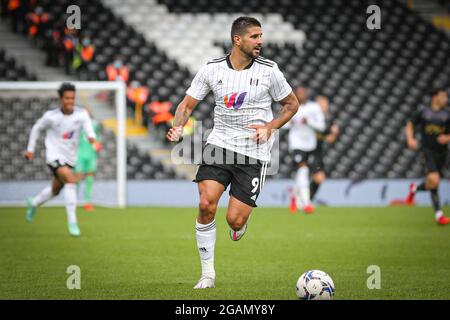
184 111
289 108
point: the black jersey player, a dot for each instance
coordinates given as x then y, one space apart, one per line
433 123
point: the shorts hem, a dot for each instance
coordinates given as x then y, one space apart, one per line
249 203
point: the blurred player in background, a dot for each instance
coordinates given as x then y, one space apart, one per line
244 85
304 126
434 127
87 162
62 128
329 136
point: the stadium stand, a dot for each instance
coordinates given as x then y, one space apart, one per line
374 78
11 70
175 32
112 38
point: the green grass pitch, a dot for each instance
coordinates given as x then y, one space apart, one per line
150 253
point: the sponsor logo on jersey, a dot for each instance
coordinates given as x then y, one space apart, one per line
234 101
68 135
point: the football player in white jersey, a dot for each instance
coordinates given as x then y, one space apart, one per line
62 128
238 149
302 142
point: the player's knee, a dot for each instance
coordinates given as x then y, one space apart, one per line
207 207
319 177
66 176
302 164
236 222
433 181
56 190
71 179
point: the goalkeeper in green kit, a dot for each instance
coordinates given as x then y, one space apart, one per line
87 163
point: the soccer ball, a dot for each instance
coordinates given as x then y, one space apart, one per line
315 285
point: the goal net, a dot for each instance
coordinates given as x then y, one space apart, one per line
22 103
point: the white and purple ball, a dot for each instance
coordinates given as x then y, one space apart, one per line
315 285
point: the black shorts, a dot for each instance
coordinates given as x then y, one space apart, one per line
54 165
316 161
246 179
300 156
434 161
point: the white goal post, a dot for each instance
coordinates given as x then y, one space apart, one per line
120 102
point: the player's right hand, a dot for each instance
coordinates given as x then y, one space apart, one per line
174 133
334 129
443 139
29 155
412 144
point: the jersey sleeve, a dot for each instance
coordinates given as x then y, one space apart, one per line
200 85
279 87
316 119
328 125
87 126
447 127
41 124
416 117
287 125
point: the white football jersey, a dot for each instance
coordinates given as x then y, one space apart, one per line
303 136
242 98
62 134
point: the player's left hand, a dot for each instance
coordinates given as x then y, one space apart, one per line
98 146
443 139
263 132
29 155
334 129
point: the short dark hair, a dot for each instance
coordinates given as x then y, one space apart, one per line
241 24
65 86
436 90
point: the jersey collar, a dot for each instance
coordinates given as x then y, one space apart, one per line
231 66
66 114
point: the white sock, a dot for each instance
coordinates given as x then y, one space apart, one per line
206 240
438 214
43 196
298 198
70 198
302 185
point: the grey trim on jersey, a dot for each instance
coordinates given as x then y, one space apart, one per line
265 61
217 60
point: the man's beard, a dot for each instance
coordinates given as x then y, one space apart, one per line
250 53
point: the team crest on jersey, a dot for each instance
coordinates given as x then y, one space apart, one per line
234 101
254 81
68 135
